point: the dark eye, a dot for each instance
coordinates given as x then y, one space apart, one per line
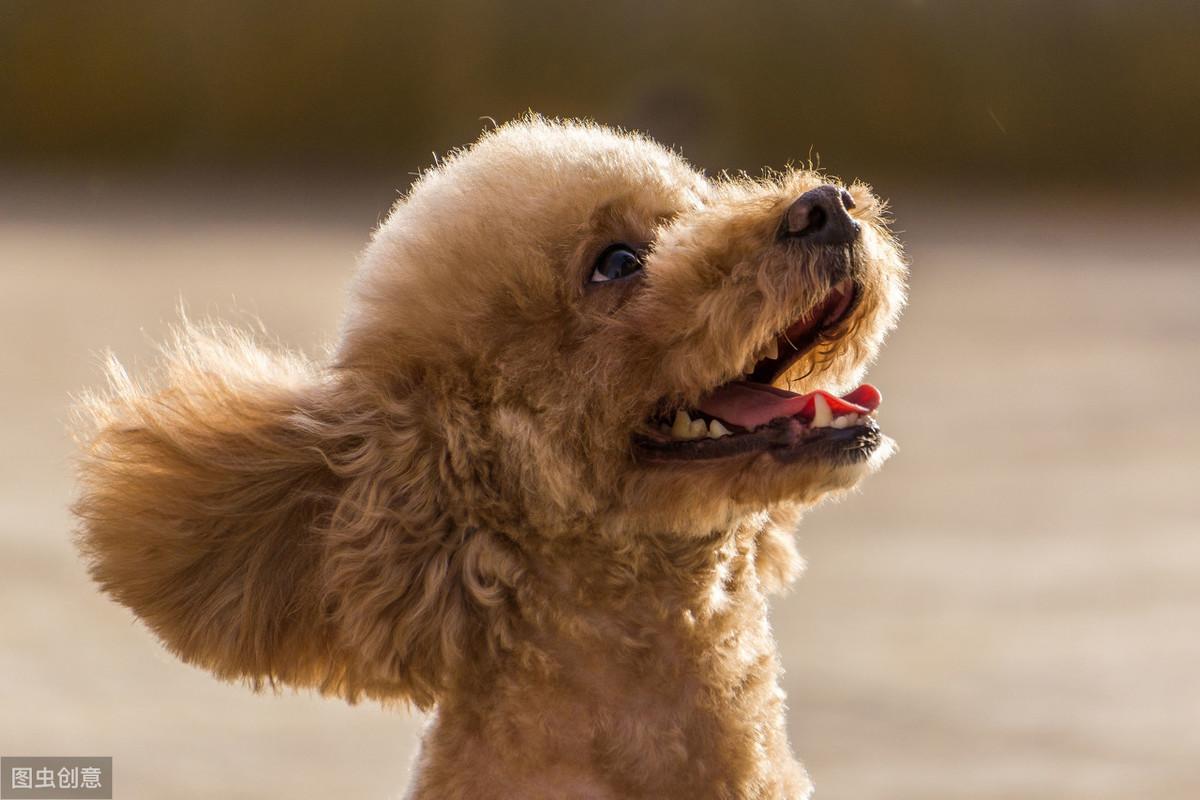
618 261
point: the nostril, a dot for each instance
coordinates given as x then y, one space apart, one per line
805 217
820 216
817 218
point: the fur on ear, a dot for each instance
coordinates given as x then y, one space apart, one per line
275 522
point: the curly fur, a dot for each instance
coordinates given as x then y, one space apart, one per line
448 511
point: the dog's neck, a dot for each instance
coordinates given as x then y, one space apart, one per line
652 675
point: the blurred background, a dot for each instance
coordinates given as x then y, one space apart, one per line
1010 609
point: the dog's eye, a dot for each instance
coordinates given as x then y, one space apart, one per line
618 261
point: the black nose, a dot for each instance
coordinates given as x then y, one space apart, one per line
821 216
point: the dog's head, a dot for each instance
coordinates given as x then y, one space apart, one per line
603 333
563 331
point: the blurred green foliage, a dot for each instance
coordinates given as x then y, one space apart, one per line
1075 91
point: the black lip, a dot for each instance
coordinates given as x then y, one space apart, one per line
786 439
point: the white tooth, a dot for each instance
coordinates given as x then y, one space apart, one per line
822 416
772 350
840 422
853 418
682 429
716 430
699 429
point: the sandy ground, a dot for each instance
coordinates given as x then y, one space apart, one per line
1009 610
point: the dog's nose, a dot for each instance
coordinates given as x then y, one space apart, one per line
821 216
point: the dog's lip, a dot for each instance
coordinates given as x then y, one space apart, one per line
749 413
787 439
802 334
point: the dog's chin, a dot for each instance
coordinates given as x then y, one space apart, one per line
831 471
698 496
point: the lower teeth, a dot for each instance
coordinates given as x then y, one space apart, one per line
686 429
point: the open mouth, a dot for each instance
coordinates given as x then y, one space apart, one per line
751 414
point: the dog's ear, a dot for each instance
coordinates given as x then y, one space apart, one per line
273 522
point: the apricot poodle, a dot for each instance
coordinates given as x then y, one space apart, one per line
546 481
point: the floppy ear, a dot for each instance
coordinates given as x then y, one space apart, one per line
276 523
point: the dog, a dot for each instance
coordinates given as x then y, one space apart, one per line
546 480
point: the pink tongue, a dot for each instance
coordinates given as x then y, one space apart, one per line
752 404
